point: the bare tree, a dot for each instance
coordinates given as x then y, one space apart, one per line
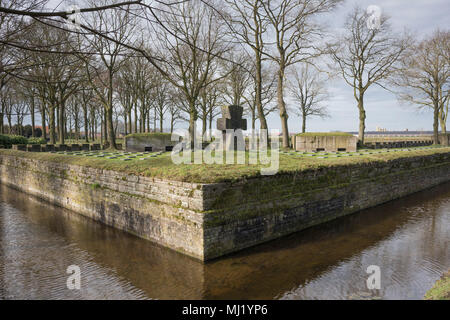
160 97
101 73
55 75
248 25
366 56
424 79
191 41
176 105
210 99
308 89
294 31
267 96
238 80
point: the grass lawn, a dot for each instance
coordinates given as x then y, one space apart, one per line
82 141
160 164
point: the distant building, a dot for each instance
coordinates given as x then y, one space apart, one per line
379 129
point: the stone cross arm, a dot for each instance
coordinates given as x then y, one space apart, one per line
232 118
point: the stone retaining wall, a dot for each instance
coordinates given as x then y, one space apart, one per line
161 211
209 220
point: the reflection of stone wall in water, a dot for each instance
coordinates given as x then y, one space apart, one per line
140 142
329 143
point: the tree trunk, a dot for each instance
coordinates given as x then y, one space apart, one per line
443 119
32 106
303 122
102 129
105 124
258 92
204 124
52 125
86 124
125 121
2 110
130 122
282 107
61 123
110 128
436 124
253 120
192 120
161 122
135 120
9 123
362 119
210 126
57 125
154 121
44 129
77 125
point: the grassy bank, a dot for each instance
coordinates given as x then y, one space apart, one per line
441 289
161 166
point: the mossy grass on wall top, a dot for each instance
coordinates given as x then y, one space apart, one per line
148 134
324 134
163 167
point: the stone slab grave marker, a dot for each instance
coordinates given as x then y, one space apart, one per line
231 120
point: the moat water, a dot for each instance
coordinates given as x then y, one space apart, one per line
407 238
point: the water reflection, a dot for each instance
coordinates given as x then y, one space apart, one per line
407 238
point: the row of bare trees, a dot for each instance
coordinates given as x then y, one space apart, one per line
131 67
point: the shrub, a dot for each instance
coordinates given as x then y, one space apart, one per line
9 139
37 141
16 139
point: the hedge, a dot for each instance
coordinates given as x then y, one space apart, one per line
7 140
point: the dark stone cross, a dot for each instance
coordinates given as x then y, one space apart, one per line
231 120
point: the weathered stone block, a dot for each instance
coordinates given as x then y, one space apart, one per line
94 147
329 143
61 147
19 147
75 147
33 147
141 142
47 147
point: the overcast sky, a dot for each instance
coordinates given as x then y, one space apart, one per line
420 17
